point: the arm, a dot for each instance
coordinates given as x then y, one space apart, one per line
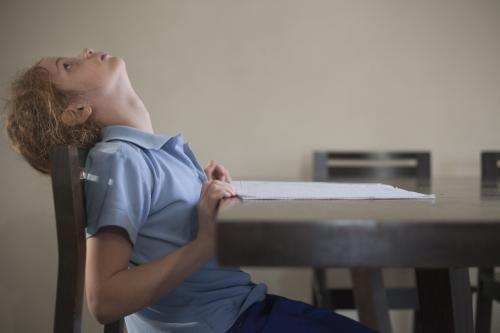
114 291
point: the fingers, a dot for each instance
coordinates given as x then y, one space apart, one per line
220 187
222 174
213 191
215 171
219 173
209 170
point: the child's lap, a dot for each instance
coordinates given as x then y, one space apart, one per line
278 314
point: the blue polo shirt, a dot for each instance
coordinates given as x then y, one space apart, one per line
150 186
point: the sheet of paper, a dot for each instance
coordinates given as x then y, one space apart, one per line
263 190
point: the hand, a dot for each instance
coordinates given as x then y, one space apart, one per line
211 194
215 171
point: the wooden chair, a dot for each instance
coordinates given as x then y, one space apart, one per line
488 286
67 188
368 294
330 166
490 168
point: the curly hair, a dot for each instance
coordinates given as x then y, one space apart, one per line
33 119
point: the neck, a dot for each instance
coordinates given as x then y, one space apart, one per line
134 112
128 108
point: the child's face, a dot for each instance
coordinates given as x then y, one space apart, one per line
90 73
94 79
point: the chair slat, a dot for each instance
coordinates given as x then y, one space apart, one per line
326 169
336 172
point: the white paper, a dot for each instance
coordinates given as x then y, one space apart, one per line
262 190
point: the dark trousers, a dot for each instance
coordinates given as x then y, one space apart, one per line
277 314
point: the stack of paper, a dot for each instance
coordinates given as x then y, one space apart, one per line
319 190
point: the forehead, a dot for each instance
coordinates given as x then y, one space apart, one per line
49 63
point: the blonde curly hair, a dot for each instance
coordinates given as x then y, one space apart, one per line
33 119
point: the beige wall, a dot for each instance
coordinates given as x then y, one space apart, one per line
258 85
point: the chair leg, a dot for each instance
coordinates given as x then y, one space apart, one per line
417 323
445 300
483 302
371 298
321 295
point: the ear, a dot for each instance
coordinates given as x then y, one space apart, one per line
76 114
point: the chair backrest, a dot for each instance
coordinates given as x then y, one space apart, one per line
69 204
490 167
335 165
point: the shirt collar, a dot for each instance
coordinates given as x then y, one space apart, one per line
143 139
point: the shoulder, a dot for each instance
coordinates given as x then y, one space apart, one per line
114 149
115 157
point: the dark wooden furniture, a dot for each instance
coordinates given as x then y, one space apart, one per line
441 238
339 165
368 295
488 287
70 220
490 168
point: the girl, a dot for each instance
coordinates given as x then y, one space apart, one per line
150 208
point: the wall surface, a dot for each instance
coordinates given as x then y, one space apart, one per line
258 85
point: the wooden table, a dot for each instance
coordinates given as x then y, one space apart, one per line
441 238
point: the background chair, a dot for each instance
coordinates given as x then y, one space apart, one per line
393 167
410 170
70 220
488 286
490 169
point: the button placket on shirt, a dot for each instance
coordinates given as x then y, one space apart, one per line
199 170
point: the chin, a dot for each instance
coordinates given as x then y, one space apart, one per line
116 65
117 62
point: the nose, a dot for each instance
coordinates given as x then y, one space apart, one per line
87 52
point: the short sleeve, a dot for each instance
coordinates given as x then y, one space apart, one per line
118 187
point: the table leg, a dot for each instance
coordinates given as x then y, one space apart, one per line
484 301
445 300
371 299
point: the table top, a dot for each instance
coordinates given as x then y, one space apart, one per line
461 227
